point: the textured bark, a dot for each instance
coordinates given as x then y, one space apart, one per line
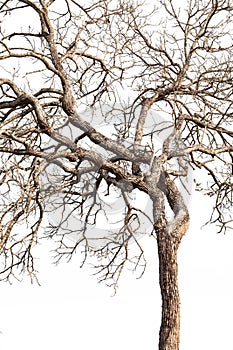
169 336
169 236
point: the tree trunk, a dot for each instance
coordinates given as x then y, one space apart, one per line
169 235
169 336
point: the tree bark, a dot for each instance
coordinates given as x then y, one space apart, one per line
169 336
169 235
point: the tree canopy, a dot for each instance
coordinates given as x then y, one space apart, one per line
57 58
161 76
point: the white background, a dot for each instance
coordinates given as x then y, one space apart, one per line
72 311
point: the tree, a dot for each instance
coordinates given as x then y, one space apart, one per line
145 70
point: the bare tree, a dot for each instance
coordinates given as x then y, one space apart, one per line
143 70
